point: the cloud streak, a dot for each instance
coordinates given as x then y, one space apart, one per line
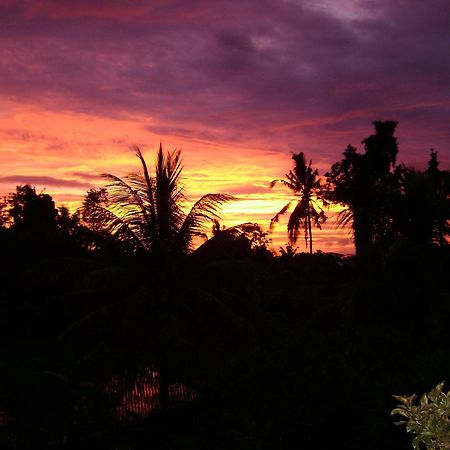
43 181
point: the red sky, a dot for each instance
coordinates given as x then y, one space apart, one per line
238 85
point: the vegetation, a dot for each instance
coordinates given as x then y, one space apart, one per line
429 421
304 182
146 213
385 202
115 333
368 185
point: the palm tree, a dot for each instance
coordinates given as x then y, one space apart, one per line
304 182
146 212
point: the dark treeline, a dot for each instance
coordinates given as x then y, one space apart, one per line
119 332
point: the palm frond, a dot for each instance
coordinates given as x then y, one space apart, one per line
169 193
318 217
121 228
128 201
276 218
298 220
344 217
122 192
273 183
294 182
205 211
148 188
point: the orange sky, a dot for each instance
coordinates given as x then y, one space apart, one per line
64 153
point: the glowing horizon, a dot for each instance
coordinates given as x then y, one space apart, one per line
237 87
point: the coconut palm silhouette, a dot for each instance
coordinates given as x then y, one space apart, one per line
146 213
305 184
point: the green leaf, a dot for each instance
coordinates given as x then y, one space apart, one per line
436 392
401 398
424 400
426 438
400 412
416 442
400 422
407 401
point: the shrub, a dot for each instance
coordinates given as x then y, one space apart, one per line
429 420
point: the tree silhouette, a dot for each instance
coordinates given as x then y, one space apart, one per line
416 211
252 233
93 209
440 182
146 212
304 182
242 241
67 222
423 212
93 233
30 221
27 211
368 185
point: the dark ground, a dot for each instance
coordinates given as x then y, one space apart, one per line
282 353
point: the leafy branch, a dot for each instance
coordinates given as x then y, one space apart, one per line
429 420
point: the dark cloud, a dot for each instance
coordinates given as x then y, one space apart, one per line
280 73
43 181
185 133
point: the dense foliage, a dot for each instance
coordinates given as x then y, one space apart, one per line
429 421
116 334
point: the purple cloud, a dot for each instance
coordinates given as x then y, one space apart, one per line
43 181
277 74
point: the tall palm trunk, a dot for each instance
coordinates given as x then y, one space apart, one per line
310 232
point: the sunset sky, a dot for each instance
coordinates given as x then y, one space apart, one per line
238 85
